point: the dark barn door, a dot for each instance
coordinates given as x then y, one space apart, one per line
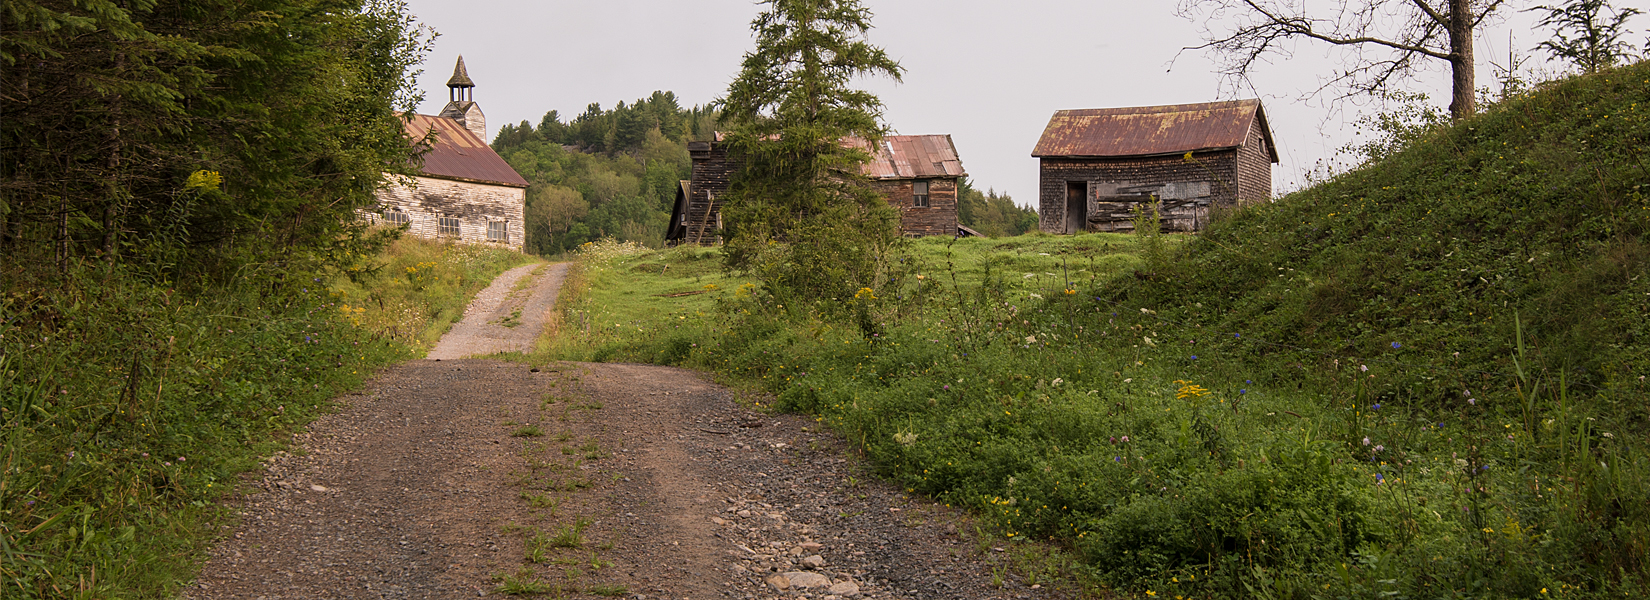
1077 206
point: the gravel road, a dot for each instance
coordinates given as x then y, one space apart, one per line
507 316
466 478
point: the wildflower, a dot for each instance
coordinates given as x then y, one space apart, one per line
1031 339
1366 441
1189 390
1194 357
1237 335
1125 438
1396 345
1379 479
1380 448
1363 368
1377 406
1243 391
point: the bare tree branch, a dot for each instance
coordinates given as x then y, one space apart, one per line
1406 29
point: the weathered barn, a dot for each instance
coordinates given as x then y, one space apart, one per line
1098 165
464 192
918 174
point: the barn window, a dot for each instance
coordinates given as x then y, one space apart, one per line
396 218
448 226
919 193
498 231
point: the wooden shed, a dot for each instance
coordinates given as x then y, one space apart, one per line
464 191
918 174
1097 165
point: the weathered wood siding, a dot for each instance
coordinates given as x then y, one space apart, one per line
938 218
712 172
1254 169
474 204
1114 186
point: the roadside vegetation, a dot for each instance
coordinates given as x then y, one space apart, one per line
130 403
1421 378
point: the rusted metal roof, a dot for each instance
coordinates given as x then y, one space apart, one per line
904 156
913 157
1153 130
456 153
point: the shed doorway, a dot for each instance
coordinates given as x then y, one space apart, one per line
1077 206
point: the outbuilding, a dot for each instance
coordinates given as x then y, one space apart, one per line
919 175
464 191
1098 165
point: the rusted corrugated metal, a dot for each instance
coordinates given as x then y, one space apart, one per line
1152 130
906 157
913 157
456 153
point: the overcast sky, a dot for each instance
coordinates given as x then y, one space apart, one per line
988 73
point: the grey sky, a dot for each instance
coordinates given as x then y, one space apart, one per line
988 73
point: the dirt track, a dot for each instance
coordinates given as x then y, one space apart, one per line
463 478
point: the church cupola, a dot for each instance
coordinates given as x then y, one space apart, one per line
461 104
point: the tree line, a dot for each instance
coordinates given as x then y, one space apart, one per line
197 136
614 173
606 173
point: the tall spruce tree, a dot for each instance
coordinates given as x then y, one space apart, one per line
799 214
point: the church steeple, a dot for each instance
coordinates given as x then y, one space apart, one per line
460 86
461 105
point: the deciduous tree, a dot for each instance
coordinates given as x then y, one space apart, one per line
1390 39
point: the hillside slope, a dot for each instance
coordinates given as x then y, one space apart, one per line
1534 213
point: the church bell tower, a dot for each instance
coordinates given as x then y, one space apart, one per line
461 104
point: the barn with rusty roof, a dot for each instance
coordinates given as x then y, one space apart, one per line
1098 165
464 191
917 174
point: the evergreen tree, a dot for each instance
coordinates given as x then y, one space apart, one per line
799 214
1584 36
197 135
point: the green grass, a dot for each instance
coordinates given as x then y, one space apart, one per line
129 404
1423 378
416 291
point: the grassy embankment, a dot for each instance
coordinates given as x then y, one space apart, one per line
129 403
1423 378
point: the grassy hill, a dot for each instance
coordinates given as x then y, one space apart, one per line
1423 378
1533 214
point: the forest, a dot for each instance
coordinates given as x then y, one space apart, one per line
613 173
